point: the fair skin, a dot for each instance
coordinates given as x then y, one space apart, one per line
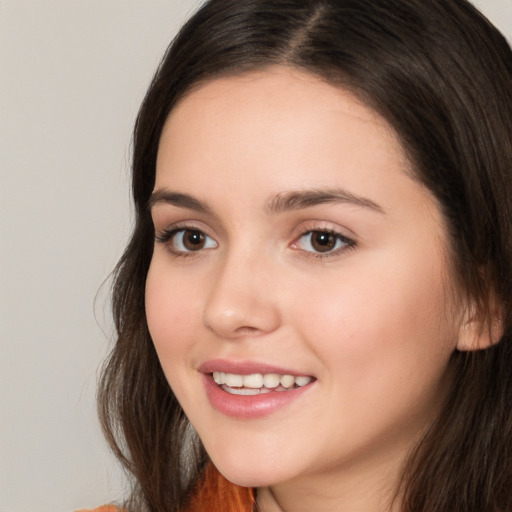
291 235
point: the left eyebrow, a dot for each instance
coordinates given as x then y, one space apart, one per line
163 196
307 199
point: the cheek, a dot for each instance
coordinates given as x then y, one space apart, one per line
173 315
384 348
384 327
171 307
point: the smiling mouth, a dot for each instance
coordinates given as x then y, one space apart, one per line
258 383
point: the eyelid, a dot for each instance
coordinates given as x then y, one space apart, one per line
166 235
192 224
339 236
349 240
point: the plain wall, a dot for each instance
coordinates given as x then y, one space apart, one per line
72 75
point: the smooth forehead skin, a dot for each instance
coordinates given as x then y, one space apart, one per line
306 98
374 325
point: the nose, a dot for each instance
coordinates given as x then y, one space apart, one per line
242 301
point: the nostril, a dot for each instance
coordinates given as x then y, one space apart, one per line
247 331
238 331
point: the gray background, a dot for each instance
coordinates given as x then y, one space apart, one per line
72 74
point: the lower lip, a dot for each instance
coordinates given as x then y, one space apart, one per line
251 406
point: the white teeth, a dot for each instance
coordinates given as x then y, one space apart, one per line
246 391
302 380
287 381
233 381
254 381
271 380
258 382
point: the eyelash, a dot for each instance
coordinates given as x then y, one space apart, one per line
167 235
347 243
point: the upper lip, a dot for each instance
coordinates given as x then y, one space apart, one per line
245 368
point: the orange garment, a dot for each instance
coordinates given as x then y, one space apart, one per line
104 508
217 493
214 493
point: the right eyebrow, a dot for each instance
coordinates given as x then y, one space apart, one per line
164 196
309 198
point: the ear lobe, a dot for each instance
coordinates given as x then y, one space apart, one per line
481 327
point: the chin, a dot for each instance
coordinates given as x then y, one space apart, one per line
248 472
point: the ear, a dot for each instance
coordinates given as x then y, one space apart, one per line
481 326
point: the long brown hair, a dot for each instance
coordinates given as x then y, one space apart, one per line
441 75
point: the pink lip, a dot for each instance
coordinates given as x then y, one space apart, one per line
243 367
253 406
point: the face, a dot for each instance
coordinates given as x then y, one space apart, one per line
299 292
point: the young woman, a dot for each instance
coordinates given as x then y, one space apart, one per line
314 312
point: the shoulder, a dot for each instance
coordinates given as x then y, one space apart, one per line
104 508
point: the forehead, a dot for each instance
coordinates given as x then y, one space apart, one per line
273 115
268 84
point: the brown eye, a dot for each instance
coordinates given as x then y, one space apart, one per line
322 241
193 240
187 240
